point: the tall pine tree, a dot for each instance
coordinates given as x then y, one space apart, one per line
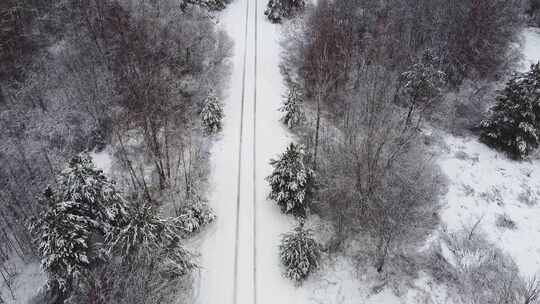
79 211
513 125
212 114
299 253
290 181
293 107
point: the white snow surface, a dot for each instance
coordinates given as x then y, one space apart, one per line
257 215
261 223
499 187
484 184
102 160
28 281
531 46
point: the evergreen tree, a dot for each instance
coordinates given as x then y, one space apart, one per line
81 209
276 10
147 238
514 122
422 83
293 107
212 114
290 181
299 253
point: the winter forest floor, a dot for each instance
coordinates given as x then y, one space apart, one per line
239 252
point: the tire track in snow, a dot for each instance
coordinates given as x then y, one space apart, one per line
238 188
255 163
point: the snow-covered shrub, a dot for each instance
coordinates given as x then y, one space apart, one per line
299 253
527 196
504 221
213 5
292 107
514 123
212 115
113 283
291 180
147 237
82 207
193 216
276 10
476 269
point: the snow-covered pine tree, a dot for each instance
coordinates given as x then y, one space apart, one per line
422 83
514 122
82 207
212 114
147 238
276 10
292 107
299 253
290 181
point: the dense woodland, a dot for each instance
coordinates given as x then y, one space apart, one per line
144 79
79 76
365 79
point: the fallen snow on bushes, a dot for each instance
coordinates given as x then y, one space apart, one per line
486 186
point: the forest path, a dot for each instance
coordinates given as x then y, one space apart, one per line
239 253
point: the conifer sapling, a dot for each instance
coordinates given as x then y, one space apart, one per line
293 107
212 114
82 207
290 181
514 122
299 253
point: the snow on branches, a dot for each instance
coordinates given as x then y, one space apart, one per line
147 237
299 253
422 84
276 10
213 5
85 222
290 181
193 216
83 206
514 122
292 107
212 115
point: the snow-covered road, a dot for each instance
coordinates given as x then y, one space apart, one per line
239 257
239 253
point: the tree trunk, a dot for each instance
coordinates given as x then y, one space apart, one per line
317 129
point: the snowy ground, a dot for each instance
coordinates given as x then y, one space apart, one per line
239 251
499 186
29 280
260 221
232 261
486 185
531 46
